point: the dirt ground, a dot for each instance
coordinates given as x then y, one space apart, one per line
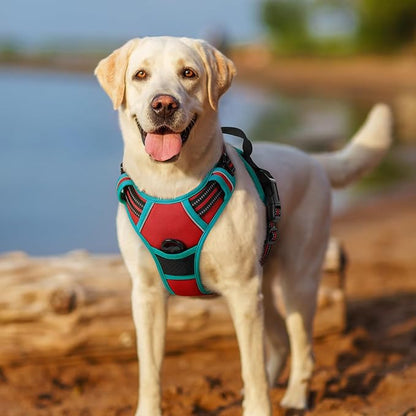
368 370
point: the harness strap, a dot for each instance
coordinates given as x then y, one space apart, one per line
268 184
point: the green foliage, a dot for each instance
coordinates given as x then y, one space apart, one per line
383 26
290 30
387 26
287 23
9 49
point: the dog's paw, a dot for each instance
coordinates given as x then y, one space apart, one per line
295 399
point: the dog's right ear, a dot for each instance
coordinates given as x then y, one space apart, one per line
111 72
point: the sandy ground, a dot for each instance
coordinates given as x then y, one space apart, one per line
368 370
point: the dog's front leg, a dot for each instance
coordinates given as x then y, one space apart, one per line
246 308
149 314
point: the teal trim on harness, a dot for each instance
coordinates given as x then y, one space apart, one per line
181 198
227 197
195 217
172 277
218 175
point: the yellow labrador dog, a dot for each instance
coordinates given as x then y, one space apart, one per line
166 90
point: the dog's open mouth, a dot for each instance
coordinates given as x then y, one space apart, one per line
163 144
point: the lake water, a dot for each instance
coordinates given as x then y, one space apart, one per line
61 149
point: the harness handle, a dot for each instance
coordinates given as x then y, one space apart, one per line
263 175
247 146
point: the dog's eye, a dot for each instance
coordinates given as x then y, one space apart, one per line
189 73
141 74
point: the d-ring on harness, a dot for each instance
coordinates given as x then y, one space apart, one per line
174 230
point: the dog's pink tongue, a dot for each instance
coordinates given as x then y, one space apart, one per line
163 147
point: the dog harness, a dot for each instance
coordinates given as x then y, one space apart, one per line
174 230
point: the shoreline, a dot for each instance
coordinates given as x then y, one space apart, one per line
354 76
57 63
358 76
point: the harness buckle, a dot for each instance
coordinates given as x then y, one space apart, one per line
272 234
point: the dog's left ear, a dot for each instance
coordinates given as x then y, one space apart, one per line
111 72
220 71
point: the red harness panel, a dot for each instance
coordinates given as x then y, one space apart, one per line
170 221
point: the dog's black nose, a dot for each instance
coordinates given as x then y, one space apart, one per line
164 105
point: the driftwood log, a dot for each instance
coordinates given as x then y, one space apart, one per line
78 305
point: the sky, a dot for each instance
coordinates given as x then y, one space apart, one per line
36 23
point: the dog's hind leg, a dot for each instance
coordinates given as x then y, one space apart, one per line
276 338
301 259
300 308
245 303
300 254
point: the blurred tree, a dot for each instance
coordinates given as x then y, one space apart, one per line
309 26
339 27
387 26
287 22
9 48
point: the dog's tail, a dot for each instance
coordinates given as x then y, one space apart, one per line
363 152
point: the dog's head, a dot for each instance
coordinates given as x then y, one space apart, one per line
165 86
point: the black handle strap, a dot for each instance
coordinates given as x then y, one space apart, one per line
234 131
263 175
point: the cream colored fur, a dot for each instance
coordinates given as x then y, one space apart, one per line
230 257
